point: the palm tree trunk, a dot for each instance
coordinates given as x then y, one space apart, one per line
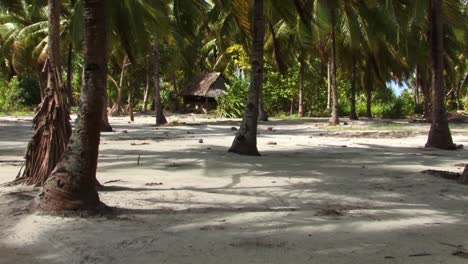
146 95
458 91
352 113
329 92
51 124
301 86
118 108
245 142
131 91
368 100
105 125
291 108
71 101
416 87
160 118
72 184
439 134
334 120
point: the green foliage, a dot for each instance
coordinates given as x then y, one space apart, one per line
386 106
30 91
169 98
278 90
232 104
395 107
408 105
392 110
10 96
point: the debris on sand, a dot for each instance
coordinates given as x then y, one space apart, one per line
442 174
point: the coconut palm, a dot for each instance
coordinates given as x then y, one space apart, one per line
245 142
51 124
439 134
72 183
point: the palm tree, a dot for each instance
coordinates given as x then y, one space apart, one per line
72 183
245 142
334 119
160 118
439 134
51 124
23 34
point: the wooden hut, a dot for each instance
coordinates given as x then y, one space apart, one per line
202 92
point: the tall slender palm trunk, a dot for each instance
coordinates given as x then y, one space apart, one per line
329 85
105 125
51 124
245 142
146 94
131 91
458 91
334 120
70 99
118 108
160 118
72 183
439 134
416 87
368 100
301 85
352 113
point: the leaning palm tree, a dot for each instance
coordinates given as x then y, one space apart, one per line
72 183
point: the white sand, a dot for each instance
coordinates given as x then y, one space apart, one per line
314 197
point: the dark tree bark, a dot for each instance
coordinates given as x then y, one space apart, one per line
51 124
352 113
71 100
160 118
245 142
301 86
72 185
334 120
291 108
439 134
329 92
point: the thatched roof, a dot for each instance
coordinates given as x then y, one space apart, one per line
207 85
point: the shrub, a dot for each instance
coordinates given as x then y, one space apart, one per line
30 91
232 104
169 98
393 110
10 96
